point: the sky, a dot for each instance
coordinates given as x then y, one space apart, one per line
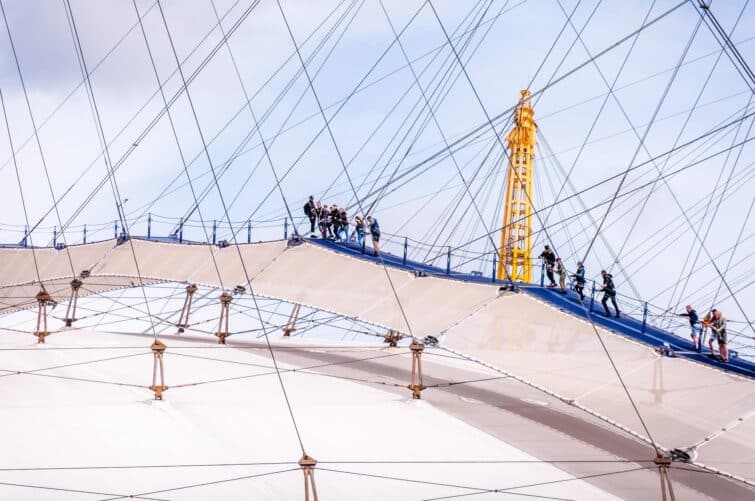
668 239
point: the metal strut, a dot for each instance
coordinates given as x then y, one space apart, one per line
307 465
158 348
225 304
183 320
291 324
71 309
43 299
416 384
667 491
392 337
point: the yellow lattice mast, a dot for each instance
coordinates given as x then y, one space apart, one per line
516 237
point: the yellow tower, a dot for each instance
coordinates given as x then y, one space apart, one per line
516 237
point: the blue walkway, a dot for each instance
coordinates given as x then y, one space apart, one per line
625 326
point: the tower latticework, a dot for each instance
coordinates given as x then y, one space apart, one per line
515 259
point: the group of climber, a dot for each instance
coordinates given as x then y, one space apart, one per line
334 224
714 321
554 264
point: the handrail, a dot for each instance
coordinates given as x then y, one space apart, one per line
452 259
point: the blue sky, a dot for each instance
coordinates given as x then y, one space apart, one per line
658 251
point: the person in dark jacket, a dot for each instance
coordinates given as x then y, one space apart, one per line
309 211
334 222
550 261
343 231
375 232
609 292
695 327
579 281
324 222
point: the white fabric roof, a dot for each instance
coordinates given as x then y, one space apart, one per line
682 402
51 422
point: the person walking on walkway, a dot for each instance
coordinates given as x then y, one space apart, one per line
579 281
609 292
719 329
694 324
550 261
309 211
561 275
375 232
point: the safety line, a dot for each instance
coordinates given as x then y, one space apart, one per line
20 190
227 215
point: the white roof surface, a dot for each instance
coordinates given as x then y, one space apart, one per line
62 423
246 420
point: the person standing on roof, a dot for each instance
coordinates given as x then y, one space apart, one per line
335 222
609 292
343 234
550 261
694 324
375 232
579 281
309 211
359 230
561 275
324 222
719 329
318 211
706 323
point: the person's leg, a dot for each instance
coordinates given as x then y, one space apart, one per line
695 339
615 305
551 278
562 282
710 344
723 348
604 301
311 224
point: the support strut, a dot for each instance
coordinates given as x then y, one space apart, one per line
291 324
307 465
225 305
667 491
71 309
416 384
158 348
43 299
183 320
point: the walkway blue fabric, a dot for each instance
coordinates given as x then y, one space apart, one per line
569 303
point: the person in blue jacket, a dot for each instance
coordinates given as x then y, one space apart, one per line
579 281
